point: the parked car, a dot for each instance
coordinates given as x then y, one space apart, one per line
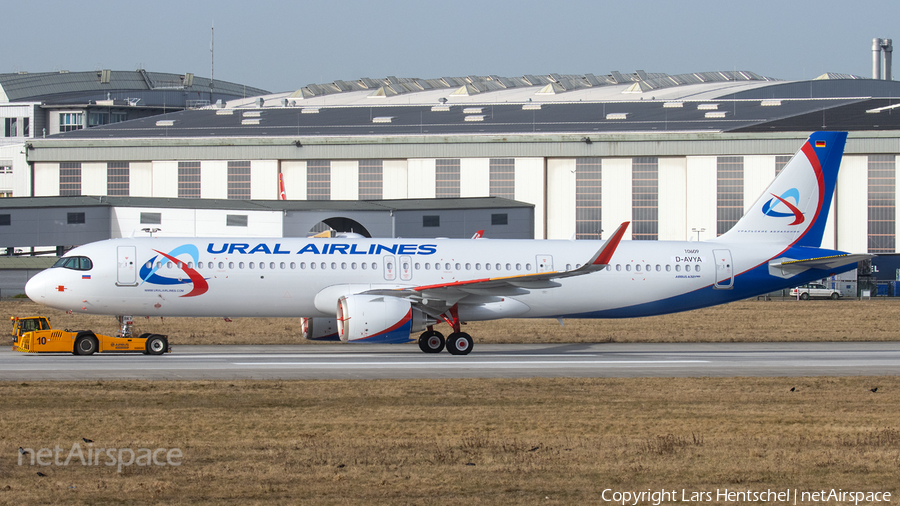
815 290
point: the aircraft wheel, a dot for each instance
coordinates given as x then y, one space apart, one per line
156 345
804 296
86 344
431 341
835 296
459 343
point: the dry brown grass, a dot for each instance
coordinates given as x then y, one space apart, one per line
746 321
531 441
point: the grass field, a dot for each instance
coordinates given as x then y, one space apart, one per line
528 441
494 441
747 321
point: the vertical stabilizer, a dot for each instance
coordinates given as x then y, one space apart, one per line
794 208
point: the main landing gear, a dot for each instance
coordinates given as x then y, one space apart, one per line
457 343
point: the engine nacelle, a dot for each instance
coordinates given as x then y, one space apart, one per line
320 329
374 318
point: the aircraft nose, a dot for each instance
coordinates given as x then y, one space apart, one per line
37 287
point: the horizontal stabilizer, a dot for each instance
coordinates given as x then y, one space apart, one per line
790 267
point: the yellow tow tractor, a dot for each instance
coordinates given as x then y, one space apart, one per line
32 334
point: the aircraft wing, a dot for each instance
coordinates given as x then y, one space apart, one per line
445 295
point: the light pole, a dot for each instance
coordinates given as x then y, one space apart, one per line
698 230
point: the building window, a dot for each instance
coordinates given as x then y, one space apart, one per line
503 178
446 181
235 220
729 192
10 127
151 218
239 180
645 199
118 179
780 162
118 117
69 121
318 180
371 179
74 218
70 178
98 118
882 202
499 219
5 168
431 221
5 220
189 180
587 198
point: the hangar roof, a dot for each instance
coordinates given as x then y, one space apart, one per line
65 87
263 205
641 102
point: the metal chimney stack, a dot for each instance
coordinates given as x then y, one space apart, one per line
887 48
876 58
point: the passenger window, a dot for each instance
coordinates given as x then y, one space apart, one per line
498 267
697 267
658 267
518 267
527 267
508 267
334 265
487 267
158 265
427 266
353 265
678 268
668 268
293 265
312 265
364 265
618 267
302 265
231 265
251 265
323 265
458 267
272 265
568 267
628 267
418 266
282 265
149 265
168 265
374 266
477 267
637 267
447 266
468 267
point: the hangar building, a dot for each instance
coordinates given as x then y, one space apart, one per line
680 156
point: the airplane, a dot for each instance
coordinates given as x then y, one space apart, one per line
385 290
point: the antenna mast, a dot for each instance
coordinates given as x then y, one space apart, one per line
212 58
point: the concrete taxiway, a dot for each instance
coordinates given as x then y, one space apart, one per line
343 361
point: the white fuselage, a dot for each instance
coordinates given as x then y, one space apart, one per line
291 277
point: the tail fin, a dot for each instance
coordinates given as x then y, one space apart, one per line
794 208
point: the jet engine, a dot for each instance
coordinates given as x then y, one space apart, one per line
378 319
320 329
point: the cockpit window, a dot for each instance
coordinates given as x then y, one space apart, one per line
75 263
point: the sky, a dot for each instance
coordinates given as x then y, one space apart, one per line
283 45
